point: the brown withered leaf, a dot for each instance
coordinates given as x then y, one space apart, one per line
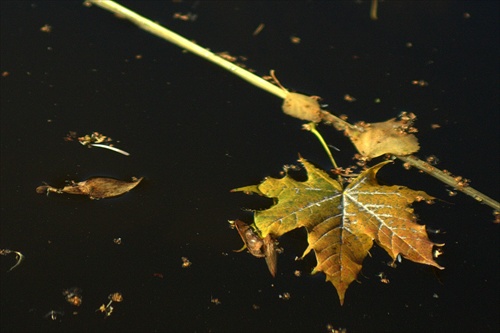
95 188
257 246
388 137
342 223
302 107
298 105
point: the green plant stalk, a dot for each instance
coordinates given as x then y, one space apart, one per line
182 42
311 127
185 44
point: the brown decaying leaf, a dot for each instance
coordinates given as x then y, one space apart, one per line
343 223
302 107
383 138
95 188
258 247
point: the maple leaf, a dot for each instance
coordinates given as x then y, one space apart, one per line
342 223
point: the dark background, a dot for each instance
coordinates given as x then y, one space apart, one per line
194 132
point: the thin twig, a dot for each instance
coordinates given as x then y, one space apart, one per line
19 257
449 180
110 148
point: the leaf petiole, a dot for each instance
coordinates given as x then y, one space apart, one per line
311 127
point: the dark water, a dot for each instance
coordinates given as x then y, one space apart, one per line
194 132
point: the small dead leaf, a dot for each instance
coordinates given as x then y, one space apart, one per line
298 105
185 262
285 296
73 296
302 107
349 98
116 297
258 247
95 188
185 17
46 28
387 137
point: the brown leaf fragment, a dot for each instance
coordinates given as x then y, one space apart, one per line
95 188
258 247
388 137
270 248
302 107
298 105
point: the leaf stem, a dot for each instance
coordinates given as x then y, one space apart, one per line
311 127
449 180
182 42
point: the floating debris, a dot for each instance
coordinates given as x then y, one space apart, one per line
19 257
110 148
116 297
432 160
420 83
73 296
437 252
258 29
53 314
185 17
383 278
285 296
108 309
185 262
349 98
46 28
331 329
215 300
435 126
95 188
95 139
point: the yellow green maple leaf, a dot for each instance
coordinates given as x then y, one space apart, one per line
342 223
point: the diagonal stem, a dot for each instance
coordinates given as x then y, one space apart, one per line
183 43
449 180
